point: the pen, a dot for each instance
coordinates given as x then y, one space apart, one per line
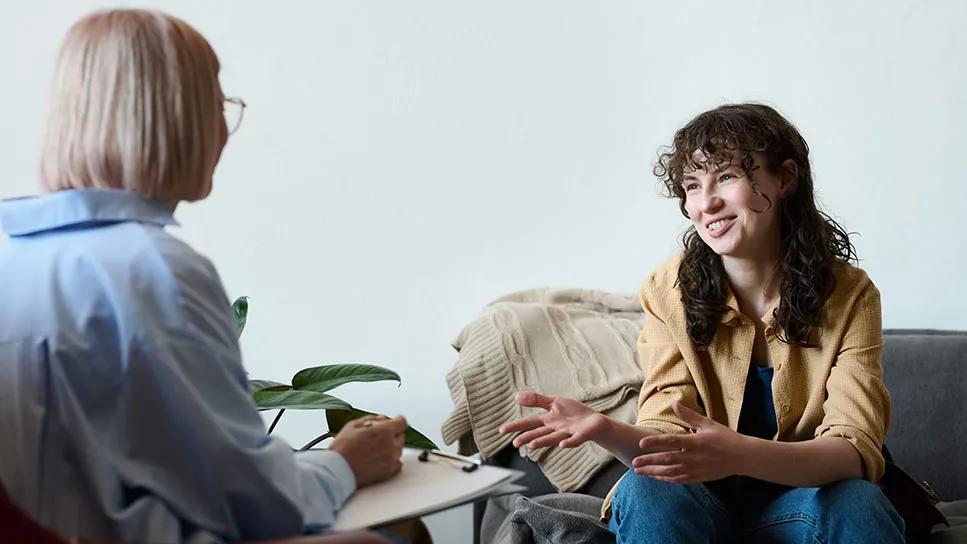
468 465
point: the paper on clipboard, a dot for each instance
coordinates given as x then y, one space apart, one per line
421 487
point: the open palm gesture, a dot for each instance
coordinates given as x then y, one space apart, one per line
566 422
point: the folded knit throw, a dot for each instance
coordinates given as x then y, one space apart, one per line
578 343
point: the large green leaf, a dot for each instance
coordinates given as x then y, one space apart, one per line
416 439
260 385
337 419
240 307
273 397
326 377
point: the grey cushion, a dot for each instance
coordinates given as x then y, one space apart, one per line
956 513
558 518
926 374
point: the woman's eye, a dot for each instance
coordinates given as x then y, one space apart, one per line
691 186
727 177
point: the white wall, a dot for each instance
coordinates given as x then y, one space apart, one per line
402 163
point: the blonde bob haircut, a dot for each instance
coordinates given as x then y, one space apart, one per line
134 104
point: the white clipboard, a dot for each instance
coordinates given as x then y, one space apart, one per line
421 488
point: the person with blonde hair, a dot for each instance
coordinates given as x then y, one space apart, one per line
124 407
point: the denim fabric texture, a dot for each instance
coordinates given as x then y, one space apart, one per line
740 509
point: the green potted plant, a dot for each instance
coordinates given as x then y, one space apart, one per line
310 388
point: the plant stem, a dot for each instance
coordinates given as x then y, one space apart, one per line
276 421
316 441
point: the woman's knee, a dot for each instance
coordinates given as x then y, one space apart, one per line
648 510
856 503
649 496
840 495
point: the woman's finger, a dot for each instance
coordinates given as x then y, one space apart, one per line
661 458
534 399
549 440
665 442
693 418
520 425
665 471
683 479
572 442
526 438
366 421
399 423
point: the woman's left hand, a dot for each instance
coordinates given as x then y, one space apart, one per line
712 452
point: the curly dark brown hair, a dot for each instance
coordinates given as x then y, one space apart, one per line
811 242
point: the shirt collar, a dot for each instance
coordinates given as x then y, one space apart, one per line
733 316
80 208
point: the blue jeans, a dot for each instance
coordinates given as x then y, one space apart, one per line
740 509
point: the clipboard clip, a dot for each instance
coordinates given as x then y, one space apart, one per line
466 464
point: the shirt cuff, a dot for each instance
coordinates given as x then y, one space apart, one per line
662 427
333 468
873 463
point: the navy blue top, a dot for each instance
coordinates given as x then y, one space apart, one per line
758 417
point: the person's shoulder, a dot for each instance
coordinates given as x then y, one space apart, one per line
663 280
853 290
185 275
130 251
851 282
164 254
659 293
186 287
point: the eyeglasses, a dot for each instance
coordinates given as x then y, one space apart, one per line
233 108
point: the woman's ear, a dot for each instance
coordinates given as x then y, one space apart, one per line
789 178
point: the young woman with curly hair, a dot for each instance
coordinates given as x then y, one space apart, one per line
763 410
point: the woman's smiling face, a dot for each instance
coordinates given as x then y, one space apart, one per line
736 213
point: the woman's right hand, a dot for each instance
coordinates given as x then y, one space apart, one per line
372 446
566 423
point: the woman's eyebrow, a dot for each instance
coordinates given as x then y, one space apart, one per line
727 166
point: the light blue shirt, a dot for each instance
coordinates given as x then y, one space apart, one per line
125 413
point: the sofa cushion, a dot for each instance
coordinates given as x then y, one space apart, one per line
956 513
926 374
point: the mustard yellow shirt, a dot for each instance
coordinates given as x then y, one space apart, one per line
834 389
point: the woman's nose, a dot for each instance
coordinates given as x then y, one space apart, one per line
710 202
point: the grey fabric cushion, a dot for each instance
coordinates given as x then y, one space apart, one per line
558 518
956 513
926 374
537 484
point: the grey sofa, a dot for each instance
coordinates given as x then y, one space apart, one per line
926 374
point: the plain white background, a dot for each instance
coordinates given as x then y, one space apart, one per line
402 163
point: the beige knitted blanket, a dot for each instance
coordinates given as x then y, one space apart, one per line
578 343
